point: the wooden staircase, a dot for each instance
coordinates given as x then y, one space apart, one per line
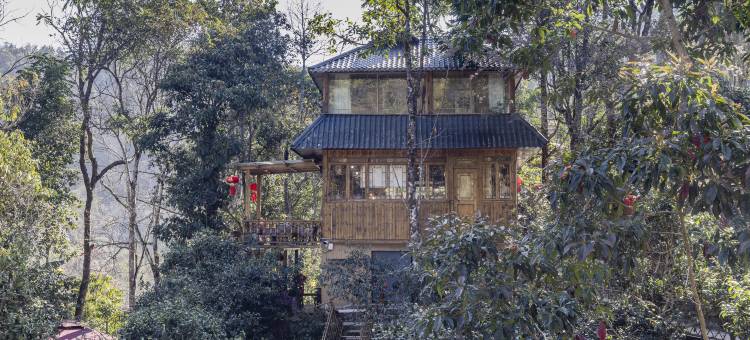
345 324
352 322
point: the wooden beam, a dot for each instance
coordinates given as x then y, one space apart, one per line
277 167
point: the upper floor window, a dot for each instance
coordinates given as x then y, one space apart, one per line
480 93
353 93
386 94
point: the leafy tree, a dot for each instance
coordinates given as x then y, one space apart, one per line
33 290
212 288
48 120
482 280
104 307
94 34
681 133
217 99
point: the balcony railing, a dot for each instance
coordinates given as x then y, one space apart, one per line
283 233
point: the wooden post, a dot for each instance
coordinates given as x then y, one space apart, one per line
326 94
430 109
259 181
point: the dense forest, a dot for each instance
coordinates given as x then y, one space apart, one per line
633 222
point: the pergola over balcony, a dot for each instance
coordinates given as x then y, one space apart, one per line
275 233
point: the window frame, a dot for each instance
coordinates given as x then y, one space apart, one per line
498 162
365 167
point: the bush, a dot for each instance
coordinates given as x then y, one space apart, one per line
211 287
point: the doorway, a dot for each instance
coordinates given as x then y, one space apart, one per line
466 191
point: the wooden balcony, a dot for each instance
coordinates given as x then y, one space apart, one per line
282 233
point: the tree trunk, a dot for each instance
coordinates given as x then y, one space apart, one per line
287 198
543 98
674 30
609 109
88 182
157 220
676 36
132 225
581 60
686 247
411 129
86 273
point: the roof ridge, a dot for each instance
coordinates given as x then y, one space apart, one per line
340 56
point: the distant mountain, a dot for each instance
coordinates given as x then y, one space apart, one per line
10 53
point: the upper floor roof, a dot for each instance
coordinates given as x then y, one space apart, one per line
364 59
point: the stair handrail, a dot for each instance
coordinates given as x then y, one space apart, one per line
332 330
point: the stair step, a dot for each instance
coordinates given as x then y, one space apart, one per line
352 324
350 310
348 337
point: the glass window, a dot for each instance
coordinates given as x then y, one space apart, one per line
337 183
377 181
496 91
452 95
481 93
340 95
437 181
392 95
397 182
490 181
356 182
498 181
504 181
364 94
465 190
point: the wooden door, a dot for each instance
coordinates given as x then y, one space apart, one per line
465 184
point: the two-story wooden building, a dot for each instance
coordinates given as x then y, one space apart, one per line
468 134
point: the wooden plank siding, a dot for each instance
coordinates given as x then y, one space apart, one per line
378 220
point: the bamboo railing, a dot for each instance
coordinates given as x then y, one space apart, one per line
283 233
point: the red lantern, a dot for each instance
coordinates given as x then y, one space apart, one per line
519 183
254 192
629 202
232 181
602 331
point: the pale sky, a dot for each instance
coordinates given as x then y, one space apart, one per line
27 31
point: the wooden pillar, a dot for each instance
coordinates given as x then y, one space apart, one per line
259 181
326 93
430 109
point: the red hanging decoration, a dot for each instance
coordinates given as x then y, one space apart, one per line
232 181
602 331
519 183
253 192
629 202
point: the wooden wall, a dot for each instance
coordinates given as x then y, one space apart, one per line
387 220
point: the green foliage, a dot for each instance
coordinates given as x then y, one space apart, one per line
350 279
227 82
212 288
736 309
104 309
483 280
49 121
683 139
33 290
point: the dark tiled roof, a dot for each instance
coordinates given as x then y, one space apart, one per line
463 131
362 59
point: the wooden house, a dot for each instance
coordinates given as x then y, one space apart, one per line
469 139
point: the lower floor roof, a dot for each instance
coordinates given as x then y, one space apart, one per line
442 131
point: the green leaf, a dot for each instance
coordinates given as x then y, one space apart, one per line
711 194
